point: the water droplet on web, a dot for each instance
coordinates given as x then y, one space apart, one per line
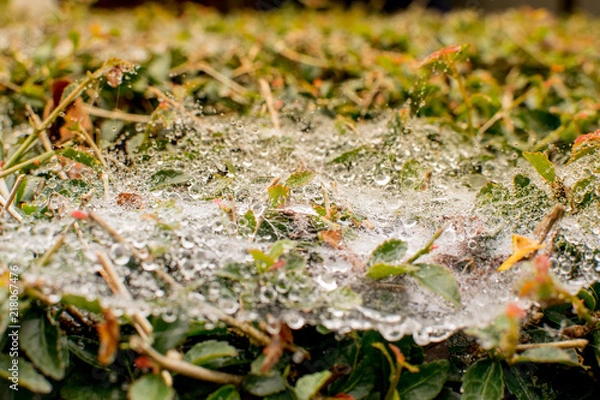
119 254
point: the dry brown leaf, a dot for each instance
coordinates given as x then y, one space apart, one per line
332 237
130 201
109 334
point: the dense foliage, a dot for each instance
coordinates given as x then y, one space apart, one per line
94 90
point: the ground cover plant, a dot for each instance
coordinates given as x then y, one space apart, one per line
249 206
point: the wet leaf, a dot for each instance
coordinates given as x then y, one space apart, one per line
483 380
130 201
227 392
168 177
425 384
380 271
542 165
205 352
584 145
310 385
264 385
278 195
45 345
150 387
549 355
80 156
439 280
389 252
28 377
298 179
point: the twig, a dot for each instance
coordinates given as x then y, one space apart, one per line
10 210
50 252
428 246
503 112
35 160
36 121
183 367
13 194
566 344
142 325
222 78
163 97
548 222
115 114
117 237
292 55
53 115
265 90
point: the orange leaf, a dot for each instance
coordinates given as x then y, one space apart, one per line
521 247
332 237
109 334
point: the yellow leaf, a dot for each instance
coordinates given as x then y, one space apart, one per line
521 247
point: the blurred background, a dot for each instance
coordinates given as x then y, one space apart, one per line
557 6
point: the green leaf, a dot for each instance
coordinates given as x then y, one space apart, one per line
168 177
264 385
150 387
439 280
80 156
227 392
483 380
205 352
380 271
520 384
28 377
300 178
280 247
588 299
549 355
309 385
389 252
169 335
82 303
349 156
278 195
542 165
85 349
263 261
45 345
425 384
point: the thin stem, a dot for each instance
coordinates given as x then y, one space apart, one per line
48 254
463 92
566 344
35 160
265 90
50 119
428 246
13 194
113 279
